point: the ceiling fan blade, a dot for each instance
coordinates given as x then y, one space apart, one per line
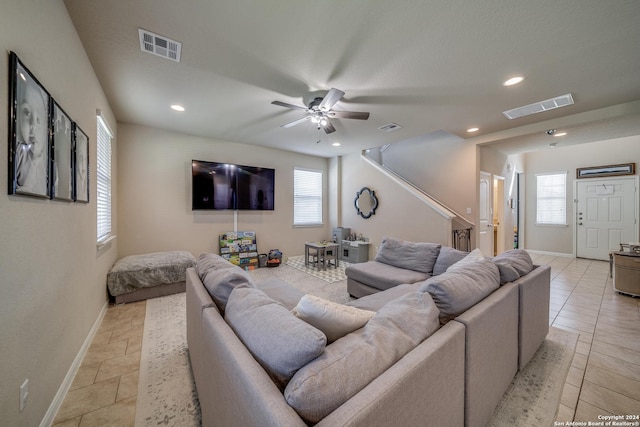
295 122
348 115
285 105
328 128
330 99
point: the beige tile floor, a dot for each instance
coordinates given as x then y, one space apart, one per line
604 378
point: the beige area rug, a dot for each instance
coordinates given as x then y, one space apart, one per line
533 397
167 394
166 391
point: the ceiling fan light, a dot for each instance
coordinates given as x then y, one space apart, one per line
324 121
315 119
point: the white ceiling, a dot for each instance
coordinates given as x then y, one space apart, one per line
427 65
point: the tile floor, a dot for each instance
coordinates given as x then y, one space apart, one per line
604 378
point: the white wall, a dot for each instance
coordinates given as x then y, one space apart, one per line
52 277
609 152
399 213
154 169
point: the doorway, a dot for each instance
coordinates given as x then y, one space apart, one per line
498 215
485 214
606 215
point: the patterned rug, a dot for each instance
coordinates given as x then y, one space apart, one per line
167 394
330 275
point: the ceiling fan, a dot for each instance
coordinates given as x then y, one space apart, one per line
319 111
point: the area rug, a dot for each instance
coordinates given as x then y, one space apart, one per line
166 391
331 274
533 397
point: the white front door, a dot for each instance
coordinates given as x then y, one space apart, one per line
606 215
485 217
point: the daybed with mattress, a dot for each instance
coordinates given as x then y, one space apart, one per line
139 277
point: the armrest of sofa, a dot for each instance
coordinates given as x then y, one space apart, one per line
425 386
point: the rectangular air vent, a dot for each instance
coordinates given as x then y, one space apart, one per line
390 127
159 45
539 107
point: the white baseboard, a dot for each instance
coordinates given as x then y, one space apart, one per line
50 416
558 254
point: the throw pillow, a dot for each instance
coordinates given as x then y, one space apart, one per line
208 262
446 258
408 255
335 320
350 363
473 256
277 339
514 260
456 291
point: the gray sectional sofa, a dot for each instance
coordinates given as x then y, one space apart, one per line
423 353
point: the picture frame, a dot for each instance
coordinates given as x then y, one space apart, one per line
29 133
81 165
62 154
608 170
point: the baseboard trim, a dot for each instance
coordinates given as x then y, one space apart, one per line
51 413
558 254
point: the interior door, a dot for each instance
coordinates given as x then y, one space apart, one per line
485 216
606 215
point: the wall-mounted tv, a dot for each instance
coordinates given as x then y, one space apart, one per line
228 186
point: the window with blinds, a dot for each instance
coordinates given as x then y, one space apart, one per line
103 198
551 208
307 197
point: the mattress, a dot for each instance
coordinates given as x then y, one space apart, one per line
136 272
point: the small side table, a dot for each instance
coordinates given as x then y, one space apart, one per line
626 277
323 251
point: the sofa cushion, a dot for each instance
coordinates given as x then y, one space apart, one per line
473 256
409 255
220 282
211 262
280 291
446 258
375 301
277 339
383 276
335 320
513 264
340 372
456 291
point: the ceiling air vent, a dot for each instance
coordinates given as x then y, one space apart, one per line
539 107
159 45
390 127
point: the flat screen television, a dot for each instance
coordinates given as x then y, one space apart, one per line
228 186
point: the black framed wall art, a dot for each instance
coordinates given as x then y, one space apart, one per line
62 173
81 165
29 132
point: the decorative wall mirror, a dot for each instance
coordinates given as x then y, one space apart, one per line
366 202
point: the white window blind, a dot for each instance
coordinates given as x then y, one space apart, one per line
307 197
551 199
104 180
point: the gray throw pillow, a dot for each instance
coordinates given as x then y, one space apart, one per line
446 258
514 259
353 361
454 292
208 262
276 338
409 255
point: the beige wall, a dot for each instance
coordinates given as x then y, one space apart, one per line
52 286
399 213
561 239
154 169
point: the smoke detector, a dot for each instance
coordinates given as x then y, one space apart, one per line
159 45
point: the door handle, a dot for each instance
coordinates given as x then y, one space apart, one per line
579 223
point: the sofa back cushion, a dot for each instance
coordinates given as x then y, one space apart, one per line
220 277
353 361
277 339
456 291
513 264
446 258
473 256
409 255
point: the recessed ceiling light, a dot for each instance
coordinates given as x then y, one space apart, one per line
336 144
560 134
513 81
473 130
177 107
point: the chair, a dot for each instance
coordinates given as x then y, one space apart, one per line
330 254
312 257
